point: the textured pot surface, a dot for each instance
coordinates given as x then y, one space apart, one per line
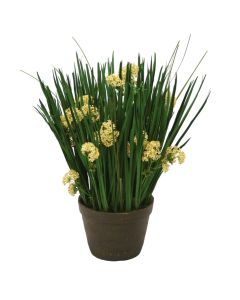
115 236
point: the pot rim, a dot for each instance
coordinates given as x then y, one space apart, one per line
138 213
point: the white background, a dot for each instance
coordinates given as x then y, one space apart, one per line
192 247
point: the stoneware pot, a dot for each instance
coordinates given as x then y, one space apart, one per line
115 236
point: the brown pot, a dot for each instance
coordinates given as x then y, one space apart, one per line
115 236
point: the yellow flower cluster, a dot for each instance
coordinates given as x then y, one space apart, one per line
151 150
135 141
86 98
72 189
81 113
69 116
108 133
114 80
71 178
173 154
165 166
72 175
181 157
134 72
91 151
91 111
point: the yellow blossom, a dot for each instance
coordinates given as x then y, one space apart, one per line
114 80
64 121
79 114
86 98
83 111
72 189
108 133
90 110
181 157
165 166
70 176
173 153
90 150
151 151
134 72
69 116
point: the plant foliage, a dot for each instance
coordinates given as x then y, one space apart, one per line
119 133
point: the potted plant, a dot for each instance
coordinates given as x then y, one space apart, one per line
119 129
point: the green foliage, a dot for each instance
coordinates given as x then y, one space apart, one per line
118 181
